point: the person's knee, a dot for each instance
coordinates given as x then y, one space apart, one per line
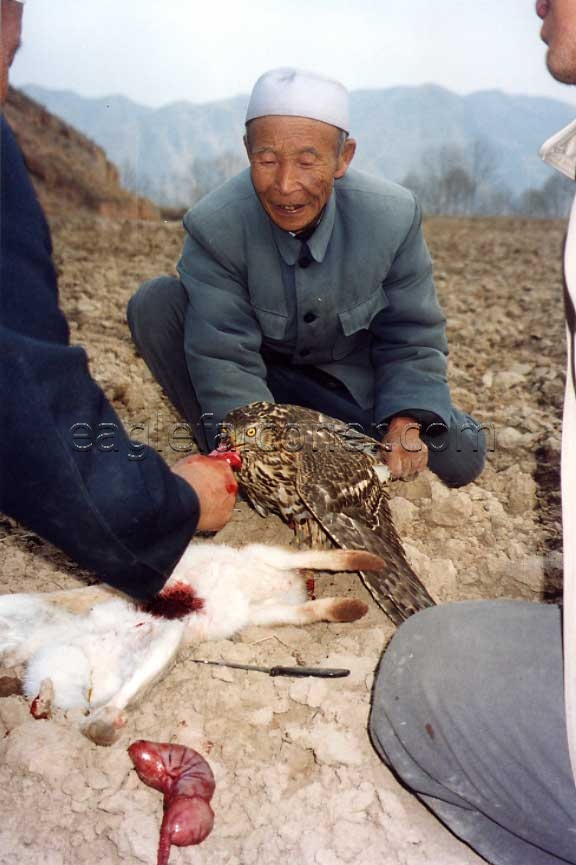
446 650
429 662
463 470
156 299
397 672
437 650
458 457
420 642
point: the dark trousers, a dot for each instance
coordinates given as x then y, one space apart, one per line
156 315
468 709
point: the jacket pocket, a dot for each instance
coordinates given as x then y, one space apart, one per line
272 324
357 319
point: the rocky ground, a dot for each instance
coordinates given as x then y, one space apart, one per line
297 779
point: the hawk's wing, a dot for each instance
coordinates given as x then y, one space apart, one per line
342 491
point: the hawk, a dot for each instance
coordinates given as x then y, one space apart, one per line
319 475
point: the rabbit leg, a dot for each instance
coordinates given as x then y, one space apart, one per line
322 610
318 560
103 724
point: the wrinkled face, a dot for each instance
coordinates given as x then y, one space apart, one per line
294 162
559 33
10 30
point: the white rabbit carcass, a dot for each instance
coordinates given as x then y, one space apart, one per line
95 649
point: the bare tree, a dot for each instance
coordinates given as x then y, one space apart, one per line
447 187
457 192
210 173
552 200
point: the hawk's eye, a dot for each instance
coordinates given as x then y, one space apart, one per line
250 433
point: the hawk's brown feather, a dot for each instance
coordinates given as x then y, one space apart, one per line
318 474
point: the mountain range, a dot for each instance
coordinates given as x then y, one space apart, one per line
175 153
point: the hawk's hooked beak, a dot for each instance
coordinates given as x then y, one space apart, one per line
228 453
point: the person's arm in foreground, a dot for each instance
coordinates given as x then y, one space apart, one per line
115 507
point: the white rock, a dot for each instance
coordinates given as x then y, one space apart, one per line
404 513
509 378
438 491
261 717
522 368
419 488
510 438
451 510
331 744
310 692
440 576
495 510
521 493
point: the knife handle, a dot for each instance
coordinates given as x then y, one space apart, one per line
320 672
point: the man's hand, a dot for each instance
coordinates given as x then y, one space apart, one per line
404 452
214 484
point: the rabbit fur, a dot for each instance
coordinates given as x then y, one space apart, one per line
95 649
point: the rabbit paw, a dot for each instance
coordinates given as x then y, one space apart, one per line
347 610
103 726
41 705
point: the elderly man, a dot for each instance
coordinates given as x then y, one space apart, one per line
304 282
475 703
123 514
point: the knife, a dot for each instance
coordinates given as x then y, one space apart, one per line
320 672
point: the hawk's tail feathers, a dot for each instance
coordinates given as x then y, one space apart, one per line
397 591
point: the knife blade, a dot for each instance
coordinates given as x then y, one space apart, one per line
278 670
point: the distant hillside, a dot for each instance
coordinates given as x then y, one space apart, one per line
175 153
67 169
403 128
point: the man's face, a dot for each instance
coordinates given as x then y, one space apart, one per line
10 30
294 162
559 33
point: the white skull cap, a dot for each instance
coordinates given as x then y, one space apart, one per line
298 93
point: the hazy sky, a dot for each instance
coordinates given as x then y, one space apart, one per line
159 51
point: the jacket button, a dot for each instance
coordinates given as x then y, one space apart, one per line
305 352
310 317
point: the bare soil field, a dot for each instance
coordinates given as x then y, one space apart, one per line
298 782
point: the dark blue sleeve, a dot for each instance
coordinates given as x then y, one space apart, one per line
115 508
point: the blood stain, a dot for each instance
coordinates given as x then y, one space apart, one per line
175 602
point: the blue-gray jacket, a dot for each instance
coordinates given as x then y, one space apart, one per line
378 326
